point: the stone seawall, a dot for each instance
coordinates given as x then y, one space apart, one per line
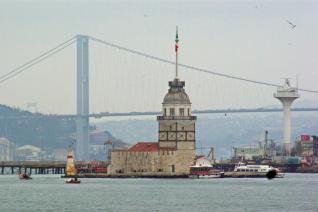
99 175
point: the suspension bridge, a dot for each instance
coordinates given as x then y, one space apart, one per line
83 66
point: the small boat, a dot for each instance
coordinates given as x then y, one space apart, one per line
70 170
25 176
73 180
206 176
203 168
204 172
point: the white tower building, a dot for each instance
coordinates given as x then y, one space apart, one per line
286 94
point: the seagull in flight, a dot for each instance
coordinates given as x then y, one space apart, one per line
291 24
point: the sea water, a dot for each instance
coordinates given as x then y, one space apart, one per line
295 192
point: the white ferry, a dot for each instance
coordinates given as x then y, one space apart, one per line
256 170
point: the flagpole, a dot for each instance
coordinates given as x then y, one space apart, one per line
177 64
176 49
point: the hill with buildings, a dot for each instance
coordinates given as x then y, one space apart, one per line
51 135
219 130
35 128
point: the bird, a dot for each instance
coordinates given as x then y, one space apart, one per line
291 24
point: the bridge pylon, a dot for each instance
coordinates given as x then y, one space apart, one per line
82 120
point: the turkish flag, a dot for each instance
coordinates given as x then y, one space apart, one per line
305 137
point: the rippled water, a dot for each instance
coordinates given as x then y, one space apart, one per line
295 192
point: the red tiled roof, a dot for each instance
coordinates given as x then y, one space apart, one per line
144 147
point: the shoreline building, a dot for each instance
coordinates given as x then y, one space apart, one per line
6 149
286 95
307 146
28 153
174 152
248 152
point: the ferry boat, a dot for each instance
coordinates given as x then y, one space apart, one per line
242 170
70 170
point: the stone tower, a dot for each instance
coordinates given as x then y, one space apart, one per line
176 124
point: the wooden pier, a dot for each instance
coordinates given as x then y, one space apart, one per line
51 167
32 167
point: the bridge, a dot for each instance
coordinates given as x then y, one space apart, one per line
83 66
152 113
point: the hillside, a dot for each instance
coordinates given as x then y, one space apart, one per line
222 132
37 129
42 131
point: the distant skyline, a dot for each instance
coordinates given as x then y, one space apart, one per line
250 39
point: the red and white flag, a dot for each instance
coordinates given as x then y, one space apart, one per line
305 137
177 41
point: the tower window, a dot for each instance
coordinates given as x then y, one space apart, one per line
181 111
172 168
188 111
171 111
165 112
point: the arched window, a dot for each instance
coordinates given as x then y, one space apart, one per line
181 111
171 111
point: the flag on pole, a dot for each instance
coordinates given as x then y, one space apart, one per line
177 41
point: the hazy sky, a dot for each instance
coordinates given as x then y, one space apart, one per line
250 39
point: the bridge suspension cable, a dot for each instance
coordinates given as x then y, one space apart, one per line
70 41
36 60
188 66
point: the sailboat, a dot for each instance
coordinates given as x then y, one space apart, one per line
70 170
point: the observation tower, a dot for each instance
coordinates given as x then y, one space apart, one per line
286 95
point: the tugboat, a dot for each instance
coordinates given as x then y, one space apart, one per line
25 176
204 172
204 169
70 170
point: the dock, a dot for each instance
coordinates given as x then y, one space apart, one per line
33 167
143 175
50 167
